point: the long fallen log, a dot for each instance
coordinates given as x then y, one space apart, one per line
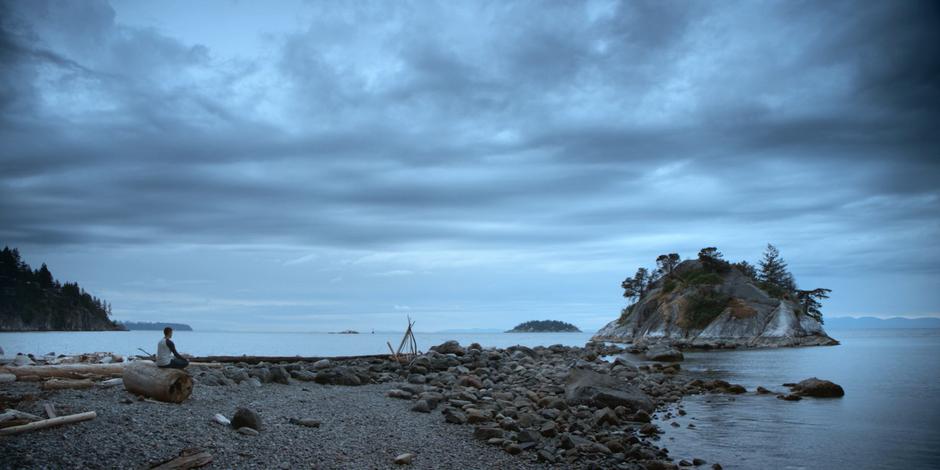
48 423
168 385
66 371
272 359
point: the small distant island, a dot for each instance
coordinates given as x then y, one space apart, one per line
544 326
154 326
33 300
346 332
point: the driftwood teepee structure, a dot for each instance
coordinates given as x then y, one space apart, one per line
408 348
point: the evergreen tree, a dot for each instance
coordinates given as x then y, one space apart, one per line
712 260
774 274
44 277
636 286
665 264
810 302
747 269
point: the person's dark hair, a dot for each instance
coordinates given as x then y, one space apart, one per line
167 331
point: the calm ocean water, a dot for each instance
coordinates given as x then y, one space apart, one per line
889 418
211 343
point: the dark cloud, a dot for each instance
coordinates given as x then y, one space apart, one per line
534 128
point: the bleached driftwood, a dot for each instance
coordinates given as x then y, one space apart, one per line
110 383
48 423
66 371
168 385
49 409
5 378
15 418
189 458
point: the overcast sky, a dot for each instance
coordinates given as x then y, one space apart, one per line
321 166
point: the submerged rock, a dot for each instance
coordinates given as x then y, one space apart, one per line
813 387
664 353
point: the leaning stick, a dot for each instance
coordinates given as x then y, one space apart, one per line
48 423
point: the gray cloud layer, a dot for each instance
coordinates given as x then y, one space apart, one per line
579 134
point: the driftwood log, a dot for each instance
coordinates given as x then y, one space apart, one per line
16 418
189 458
168 385
48 423
219 360
66 371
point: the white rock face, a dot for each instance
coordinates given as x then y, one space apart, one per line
751 319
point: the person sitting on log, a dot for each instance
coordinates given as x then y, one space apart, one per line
166 352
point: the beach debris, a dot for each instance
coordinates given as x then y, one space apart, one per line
15 418
61 384
22 360
308 422
147 355
219 418
66 371
408 340
247 431
188 458
111 382
246 418
49 408
167 385
6 378
405 459
48 423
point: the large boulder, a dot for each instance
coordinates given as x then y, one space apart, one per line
449 347
813 387
586 387
664 353
279 375
338 376
245 418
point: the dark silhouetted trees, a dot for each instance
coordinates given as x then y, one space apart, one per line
771 275
636 287
712 260
33 299
810 302
665 264
774 276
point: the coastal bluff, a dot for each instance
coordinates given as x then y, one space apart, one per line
33 300
726 309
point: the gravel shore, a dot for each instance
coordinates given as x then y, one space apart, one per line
361 428
452 407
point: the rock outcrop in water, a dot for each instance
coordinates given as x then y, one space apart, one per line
697 307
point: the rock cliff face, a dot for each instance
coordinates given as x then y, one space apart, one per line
715 310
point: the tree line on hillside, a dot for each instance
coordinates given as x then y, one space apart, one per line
32 299
771 274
